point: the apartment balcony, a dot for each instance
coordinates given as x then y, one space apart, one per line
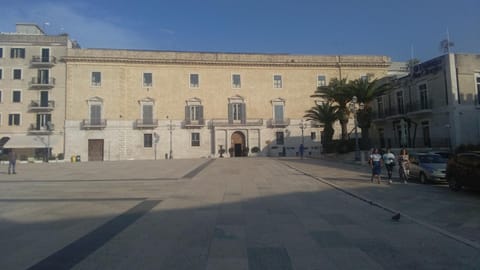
146 123
39 106
316 124
40 130
194 123
394 112
42 83
93 123
420 107
39 61
278 123
236 123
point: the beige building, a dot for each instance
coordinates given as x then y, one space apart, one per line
437 105
123 104
32 91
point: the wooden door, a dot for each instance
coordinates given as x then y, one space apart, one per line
95 150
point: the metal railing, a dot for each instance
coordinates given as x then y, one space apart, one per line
43 61
93 123
39 130
146 123
188 123
39 82
278 122
36 105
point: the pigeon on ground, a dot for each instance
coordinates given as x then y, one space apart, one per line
396 217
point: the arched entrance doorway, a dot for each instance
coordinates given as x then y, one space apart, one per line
238 143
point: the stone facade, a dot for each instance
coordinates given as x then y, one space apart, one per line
120 101
436 106
32 87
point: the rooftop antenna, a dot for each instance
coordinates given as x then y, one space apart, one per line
446 44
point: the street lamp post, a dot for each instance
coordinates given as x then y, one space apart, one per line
156 138
353 109
49 129
170 128
302 147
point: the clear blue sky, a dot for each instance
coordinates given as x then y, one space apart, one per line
373 27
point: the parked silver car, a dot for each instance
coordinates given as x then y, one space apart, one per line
428 167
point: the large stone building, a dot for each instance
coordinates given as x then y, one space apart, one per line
32 91
124 104
437 105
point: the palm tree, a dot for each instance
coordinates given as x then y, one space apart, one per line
366 92
337 91
327 114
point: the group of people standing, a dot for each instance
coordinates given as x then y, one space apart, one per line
376 161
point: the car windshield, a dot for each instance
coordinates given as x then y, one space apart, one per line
431 159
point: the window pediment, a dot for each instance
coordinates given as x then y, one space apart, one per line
236 99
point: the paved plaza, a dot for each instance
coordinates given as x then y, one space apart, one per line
232 213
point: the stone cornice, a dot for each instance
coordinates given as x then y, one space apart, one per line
223 59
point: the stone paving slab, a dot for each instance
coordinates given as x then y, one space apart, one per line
230 214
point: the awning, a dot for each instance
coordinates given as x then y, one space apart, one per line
24 141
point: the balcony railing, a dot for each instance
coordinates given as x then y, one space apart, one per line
36 105
227 123
420 107
94 123
273 123
40 130
40 61
42 83
146 123
194 123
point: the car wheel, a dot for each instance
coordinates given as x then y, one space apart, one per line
454 184
423 178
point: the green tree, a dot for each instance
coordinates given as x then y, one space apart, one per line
338 92
326 114
366 92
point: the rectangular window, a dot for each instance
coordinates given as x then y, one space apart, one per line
426 134
96 78
477 80
1 52
194 81
17 53
277 81
381 109
423 97
147 79
195 139
44 121
194 113
321 80
313 136
236 81
14 119
278 113
1 73
95 114
147 140
237 111
280 137
16 96
17 74
1 96
43 76
400 105
147 114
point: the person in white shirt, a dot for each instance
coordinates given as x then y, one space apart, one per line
389 160
376 164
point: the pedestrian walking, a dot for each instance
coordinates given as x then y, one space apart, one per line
404 165
12 160
376 165
389 160
301 149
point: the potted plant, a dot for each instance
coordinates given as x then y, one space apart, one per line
221 151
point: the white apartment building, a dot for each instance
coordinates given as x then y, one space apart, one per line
32 91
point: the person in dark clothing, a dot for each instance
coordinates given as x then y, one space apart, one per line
12 160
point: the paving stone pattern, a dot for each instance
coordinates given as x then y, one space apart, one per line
232 213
